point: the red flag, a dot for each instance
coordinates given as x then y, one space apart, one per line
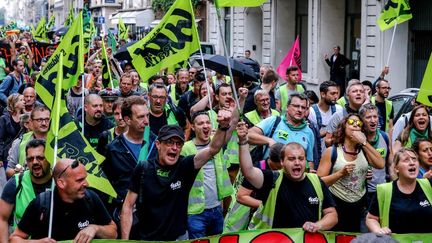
292 58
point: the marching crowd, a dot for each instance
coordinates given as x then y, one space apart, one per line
286 158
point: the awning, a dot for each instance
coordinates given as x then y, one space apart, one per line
157 21
138 18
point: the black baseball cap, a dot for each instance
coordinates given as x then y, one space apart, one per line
109 94
169 131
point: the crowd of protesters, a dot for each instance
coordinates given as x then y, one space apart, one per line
286 158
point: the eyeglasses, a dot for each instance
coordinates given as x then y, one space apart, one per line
299 107
155 97
73 165
170 143
38 158
356 122
41 120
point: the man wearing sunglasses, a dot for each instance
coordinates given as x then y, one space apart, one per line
160 188
78 215
22 188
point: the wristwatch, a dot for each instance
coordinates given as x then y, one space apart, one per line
364 143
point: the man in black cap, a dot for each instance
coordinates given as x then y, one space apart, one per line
108 96
160 187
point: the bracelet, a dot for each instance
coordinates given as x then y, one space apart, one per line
224 128
243 143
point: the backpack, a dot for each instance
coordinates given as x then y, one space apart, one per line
318 114
259 151
8 89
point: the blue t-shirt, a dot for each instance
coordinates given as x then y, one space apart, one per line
135 148
283 134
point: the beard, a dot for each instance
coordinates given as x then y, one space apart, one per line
329 102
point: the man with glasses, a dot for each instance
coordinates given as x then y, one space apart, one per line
269 82
78 213
292 128
385 106
39 124
23 188
160 188
262 111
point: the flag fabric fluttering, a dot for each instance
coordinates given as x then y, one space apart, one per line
106 72
239 3
394 12
40 33
89 29
123 32
71 143
51 22
172 41
70 17
425 93
112 42
292 58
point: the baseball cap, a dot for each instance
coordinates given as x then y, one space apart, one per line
169 131
109 94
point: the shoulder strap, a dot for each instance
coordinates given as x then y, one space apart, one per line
45 202
333 109
384 195
275 124
145 167
317 115
387 141
314 179
333 157
19 186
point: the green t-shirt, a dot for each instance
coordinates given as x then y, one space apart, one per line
2 67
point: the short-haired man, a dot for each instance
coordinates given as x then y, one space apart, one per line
160 187
380 141
23 187
191 97
321 113
269 82
292 128
12 82
291 197
39 122
162 112
29 94
337 63
175 91
126 86
78 213
94 121
292 86
108 96
262 101
385 106
96 71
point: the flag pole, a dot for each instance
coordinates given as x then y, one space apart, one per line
83 88
56 125
207 82
228 60
391 44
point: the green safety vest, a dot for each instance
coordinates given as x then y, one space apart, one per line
384 196
255 118
22 153
171 119
263 217
227 79
23 197
223 183
172 93
238 215
230 154
388 106
284 95
342 101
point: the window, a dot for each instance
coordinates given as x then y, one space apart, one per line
227 22
302 31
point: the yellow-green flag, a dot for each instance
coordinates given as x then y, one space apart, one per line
106 72
40 34
394 12
51 22
123 31
89 29
70 17
425 93
173 40
239 3
71 143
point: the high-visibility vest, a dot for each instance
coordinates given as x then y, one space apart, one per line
22 153
230 154
172 93
25 195
255 118
171 119
284 95
263 217
223 183
388 106
342 101
384 196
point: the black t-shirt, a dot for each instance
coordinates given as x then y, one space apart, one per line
162 213
9 191
382 114
156 123
187 100
409 213
68 219
92 133
296 202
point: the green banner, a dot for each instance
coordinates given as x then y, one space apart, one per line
123 33
70 18
51 22
106 72
296 235
172 41
239 3
394 12
40 34
425 93
112 42
89 29
71 143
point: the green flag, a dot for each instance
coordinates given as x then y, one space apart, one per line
70 17
71 143
394 12
106 72
123 33
173 40
425 93
40 34
51 22
89 29
112 42
239 3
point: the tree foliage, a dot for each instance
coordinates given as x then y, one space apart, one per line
164 5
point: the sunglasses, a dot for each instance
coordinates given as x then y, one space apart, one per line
356 122
73 165
38 158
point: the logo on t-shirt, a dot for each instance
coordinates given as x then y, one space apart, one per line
162 173
425 203
283 134
83 224
175 186
313 200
